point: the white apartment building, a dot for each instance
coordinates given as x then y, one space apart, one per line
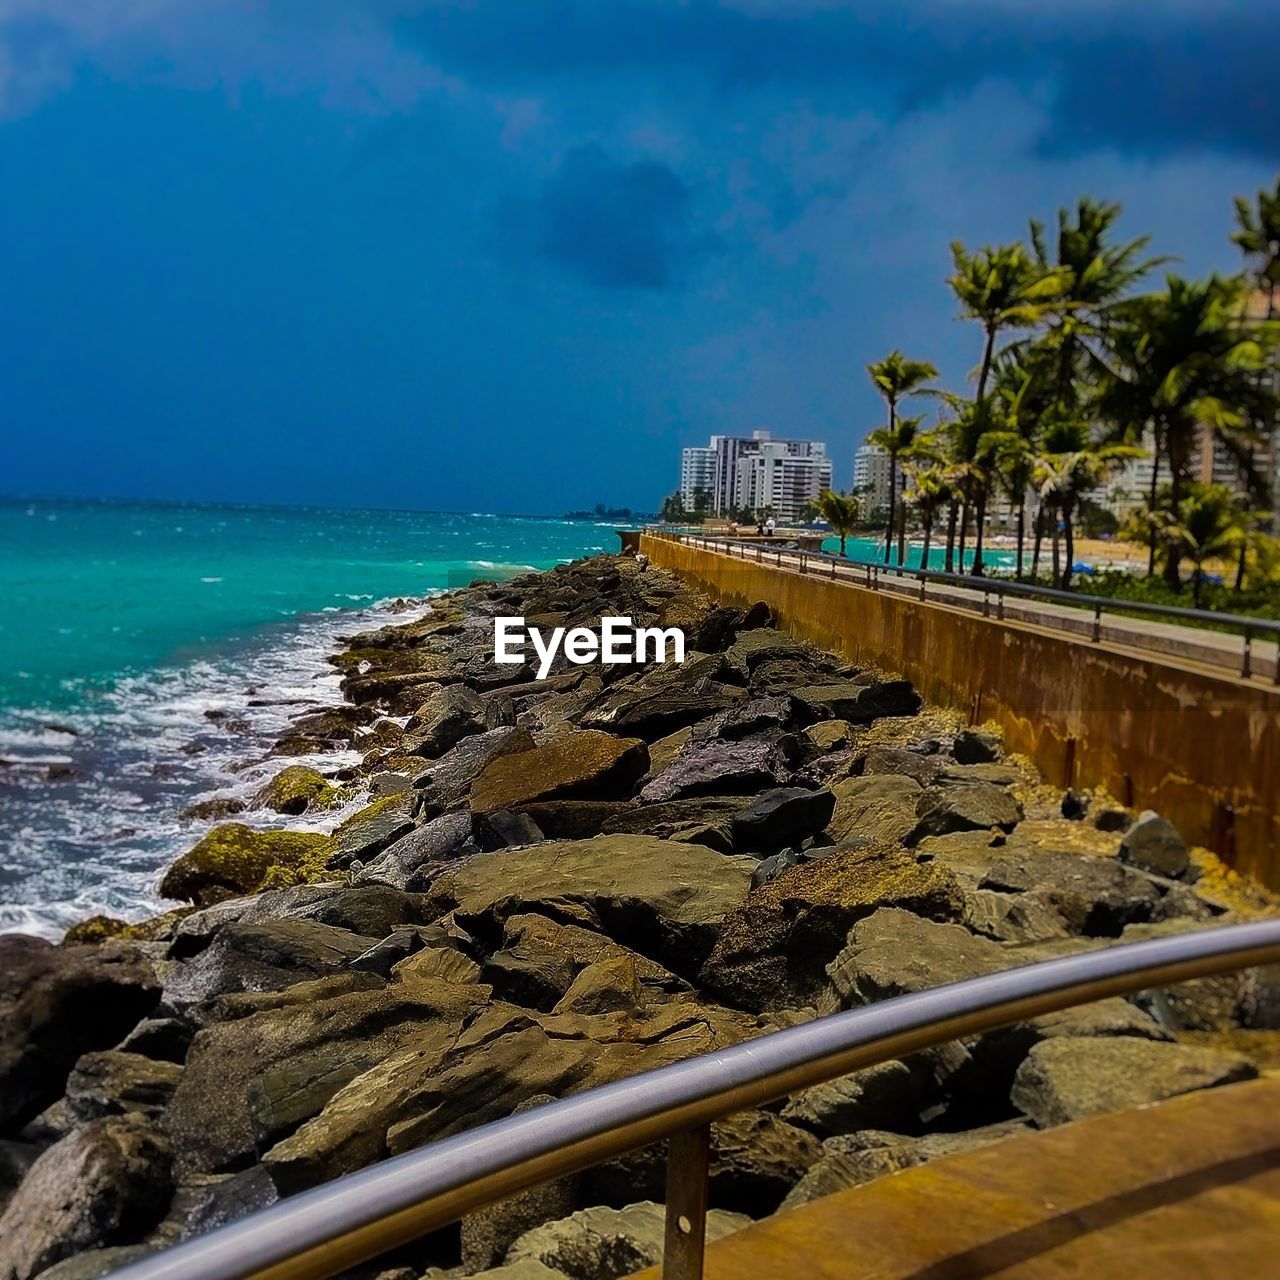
697 475
774 478
871 478
755 472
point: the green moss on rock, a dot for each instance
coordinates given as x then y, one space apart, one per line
295 790
234 859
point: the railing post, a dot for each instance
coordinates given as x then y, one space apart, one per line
923 581
1246 666
1097 623
688 1163
1000 605
986 603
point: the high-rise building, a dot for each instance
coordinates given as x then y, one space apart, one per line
754 472
871 478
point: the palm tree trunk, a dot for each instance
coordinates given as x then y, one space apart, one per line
893 494
980 523
1022 529
844 538
1057 553
1151 508
949 563
1240 564
964 528
1197 581
1039 541
928 538
1172 557
1069 537
902 533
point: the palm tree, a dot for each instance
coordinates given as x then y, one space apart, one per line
1071 465
673 511
896 377
1002 288
840 511
1259 240
927 490
1206 524
1186 368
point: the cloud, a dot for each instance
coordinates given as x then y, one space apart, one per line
612 224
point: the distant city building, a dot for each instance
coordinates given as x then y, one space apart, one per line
754 472
697 476
871 478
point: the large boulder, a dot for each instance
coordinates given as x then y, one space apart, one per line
664 898
602 1243
758 715
652 713
886 1096
57 1003
582 764
1095 896
408 863
250 1081
366 833
104 1184
782 816
858 701
262 957
447 782
504 1057
712 767
449 715
966 806
1154 844
1069 1077
857 1158
879 807
773 950
110 1082
234 859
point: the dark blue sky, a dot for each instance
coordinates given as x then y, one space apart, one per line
512 254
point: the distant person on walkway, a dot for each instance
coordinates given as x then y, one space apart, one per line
759 527
769 527
733 528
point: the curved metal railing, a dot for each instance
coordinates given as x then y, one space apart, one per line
986 589
362 1215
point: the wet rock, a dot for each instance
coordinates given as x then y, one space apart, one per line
899 760
1068 1078
449 715
782 816
295 790
966 806
830 735
1012 917
881 807
234 859
409 862
203 1202
572 819
391 951
719 768
752 648
104 1184
772 952
601 1244
57 1003
214 809
654 713
161 1039
1153 844
374 828
93 1263
758 715
504 829
858 701
585 764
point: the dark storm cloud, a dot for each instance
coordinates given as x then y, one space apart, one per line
614 225
1146 79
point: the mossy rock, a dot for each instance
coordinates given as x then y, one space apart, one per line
102 928
295 790
234 859
388 804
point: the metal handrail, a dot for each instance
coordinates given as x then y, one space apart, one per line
1000 588
362 1215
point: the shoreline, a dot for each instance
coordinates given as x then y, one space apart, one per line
560 882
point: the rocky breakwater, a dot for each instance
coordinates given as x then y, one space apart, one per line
561 881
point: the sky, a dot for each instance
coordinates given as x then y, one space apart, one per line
511 255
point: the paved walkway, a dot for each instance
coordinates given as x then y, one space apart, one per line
1188 1189
1222 651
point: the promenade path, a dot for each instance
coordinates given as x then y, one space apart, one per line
1216 650
1188 1189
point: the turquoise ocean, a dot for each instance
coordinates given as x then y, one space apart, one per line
150 654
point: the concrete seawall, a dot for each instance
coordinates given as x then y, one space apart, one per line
1201 747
